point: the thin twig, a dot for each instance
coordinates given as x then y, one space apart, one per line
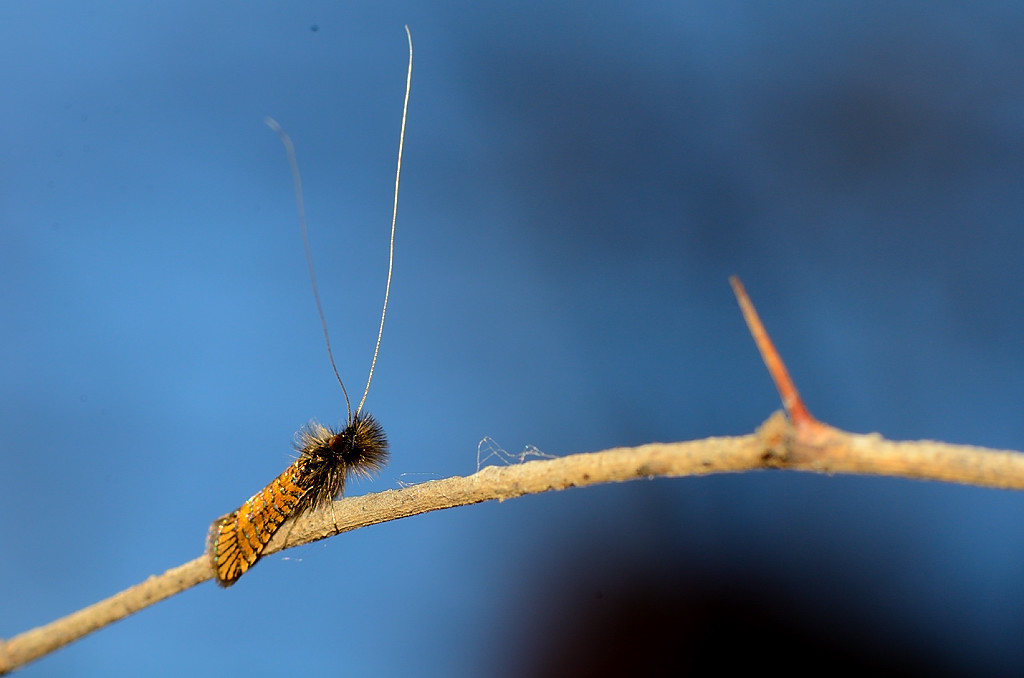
777 444
801 443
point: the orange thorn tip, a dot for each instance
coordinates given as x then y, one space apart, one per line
791 400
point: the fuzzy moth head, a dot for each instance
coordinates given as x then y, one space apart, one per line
327 458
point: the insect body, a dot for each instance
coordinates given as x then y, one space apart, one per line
326 458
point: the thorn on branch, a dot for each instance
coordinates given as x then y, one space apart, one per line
808 429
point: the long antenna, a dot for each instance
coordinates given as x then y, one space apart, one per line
394 218
297 180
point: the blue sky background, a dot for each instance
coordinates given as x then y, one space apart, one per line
580 180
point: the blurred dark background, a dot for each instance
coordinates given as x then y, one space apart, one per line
580 180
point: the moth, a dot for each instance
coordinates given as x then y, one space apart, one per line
327 458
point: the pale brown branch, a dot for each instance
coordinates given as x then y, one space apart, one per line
777 444
42 640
